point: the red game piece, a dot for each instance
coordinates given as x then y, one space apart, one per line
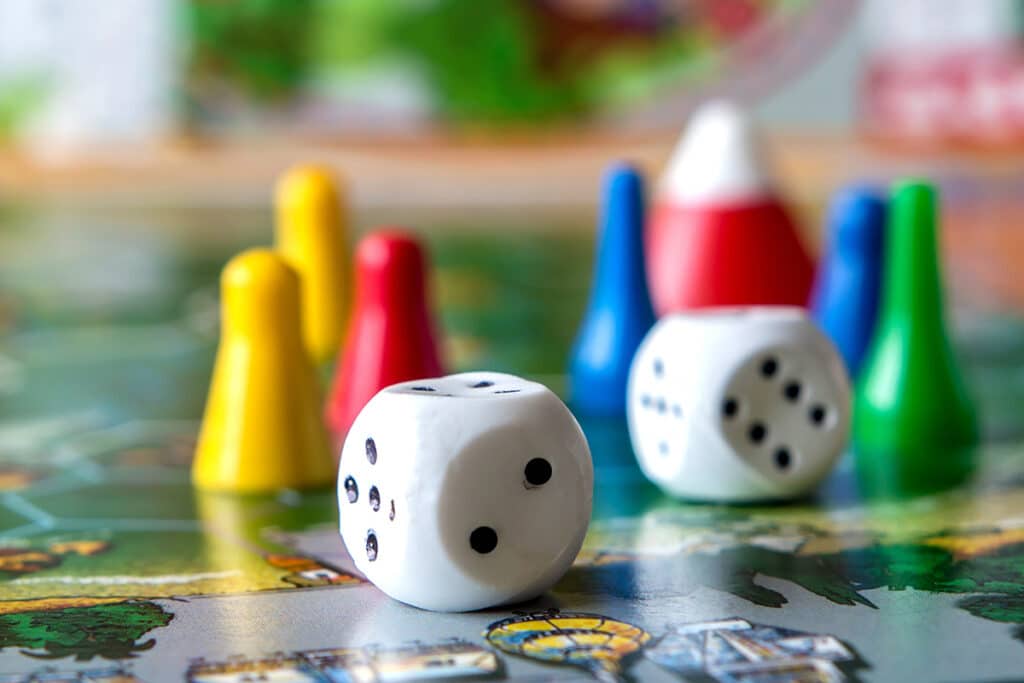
390 338
718 235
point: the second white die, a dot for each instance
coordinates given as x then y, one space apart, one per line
737 404
464 492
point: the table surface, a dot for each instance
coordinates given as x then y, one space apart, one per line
113 568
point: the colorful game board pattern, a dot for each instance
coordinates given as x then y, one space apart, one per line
101 385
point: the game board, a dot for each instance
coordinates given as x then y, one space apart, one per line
113 569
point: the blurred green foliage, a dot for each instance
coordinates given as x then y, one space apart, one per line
257 46
481 58
351 33
484 62
19 99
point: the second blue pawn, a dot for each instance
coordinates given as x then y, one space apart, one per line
619 313
846 293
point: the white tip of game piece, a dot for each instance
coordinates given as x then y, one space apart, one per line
717 160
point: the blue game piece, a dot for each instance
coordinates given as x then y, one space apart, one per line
619 313
845 298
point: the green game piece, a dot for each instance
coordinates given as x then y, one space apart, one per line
915 426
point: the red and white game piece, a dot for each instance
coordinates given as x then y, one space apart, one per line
719 235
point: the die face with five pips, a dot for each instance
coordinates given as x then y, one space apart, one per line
464 492
738 404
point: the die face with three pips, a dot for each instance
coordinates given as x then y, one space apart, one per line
464 492
739 404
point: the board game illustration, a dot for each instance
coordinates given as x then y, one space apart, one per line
596 643
409 662
52 675
113 568
735 649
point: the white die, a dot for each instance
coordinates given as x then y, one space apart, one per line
466 491
737 404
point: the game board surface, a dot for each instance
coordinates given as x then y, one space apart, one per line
113 569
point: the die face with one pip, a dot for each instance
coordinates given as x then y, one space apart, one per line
464 492
739 404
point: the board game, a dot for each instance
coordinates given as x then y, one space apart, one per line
112 568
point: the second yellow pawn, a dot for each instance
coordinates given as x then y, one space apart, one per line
313 236
261 429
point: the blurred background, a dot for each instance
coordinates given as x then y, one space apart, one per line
158 86
81 72
113 70
140 139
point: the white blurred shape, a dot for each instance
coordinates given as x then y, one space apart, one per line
936 25
108 68
718 159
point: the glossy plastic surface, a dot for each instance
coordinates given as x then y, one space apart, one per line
312 234
719 234
915 424
619 313
738 255
849 280
261 429
391 337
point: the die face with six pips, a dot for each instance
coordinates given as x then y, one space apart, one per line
464 492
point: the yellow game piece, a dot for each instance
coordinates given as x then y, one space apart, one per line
312 234
262 429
